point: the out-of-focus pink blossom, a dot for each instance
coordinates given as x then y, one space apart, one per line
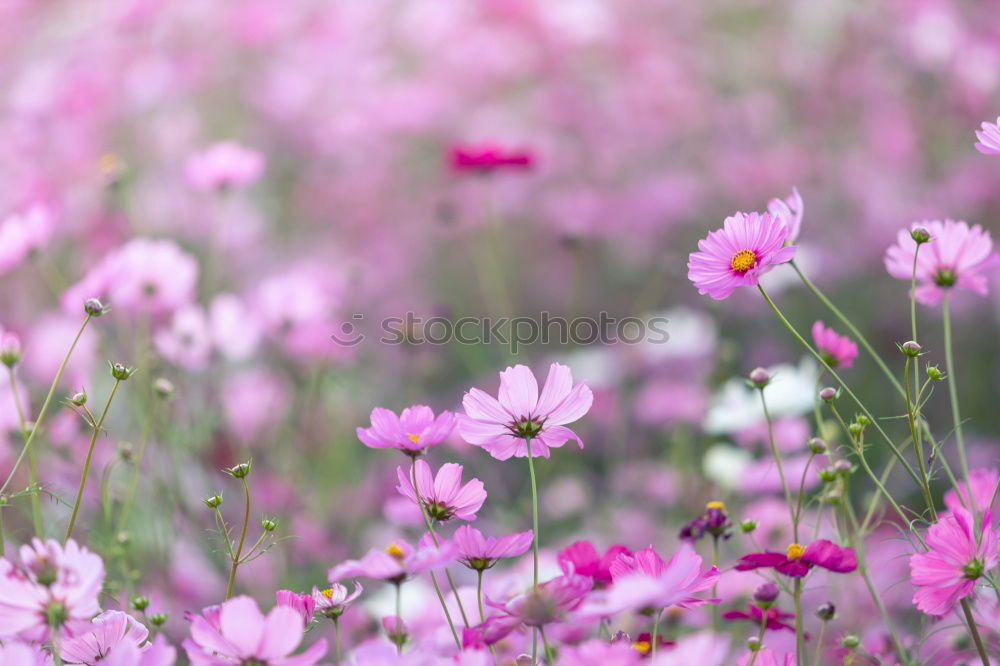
23 233
303 604
487 158
413 431
839 351
984 490
14 653
789 210
596 652
186 342
104 634
398 561
157 653
443 497
583 559
989 138
223 166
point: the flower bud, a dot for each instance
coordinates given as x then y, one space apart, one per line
140 603
911 348
753 644
828 394
920 235
826 612
861 419
125 450
239 471
828 474
855 429
94 307
164 388
760 377
158 619
268 524
213 501
10 349
79 399
395 629
850 641
817 445
765 595
120 371
748 526
934 373
843 467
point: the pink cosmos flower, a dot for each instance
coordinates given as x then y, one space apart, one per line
397 562
789 211
303 604
223 166
837 350
799 560
776 619
956 256
766 657
989 138
156 653
948 572
334 600
412 432
549 603
238 633
502 426
479 553
443 496
984 488
187 342
596 652
747 246
54 584
488 158
104 634
23 233
13 653
583 559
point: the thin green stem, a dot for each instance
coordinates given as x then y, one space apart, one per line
534 542
86 464
760 638
800 640
974 631
911 417
336 633
36 504
819 644
243 536
398 638
956 414
549 655
655 636
479 594
777 462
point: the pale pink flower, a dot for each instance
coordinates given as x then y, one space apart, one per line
443 496
984 490
747 246
837 350
23 233
413 431
54 584
334 600
549 603
187 341
989 138
156 653
223 166
766 657
238 633
105 633
397 562
948 572
479 553
235 330
789 211
597 652
502 425
14 653
956 256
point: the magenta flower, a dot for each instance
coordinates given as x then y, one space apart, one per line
480 553
104 634
984 488
775 617
583 559
443 496
948 572
303 604
334 600
837 350
397 562
989 138
223 166
55 585
238 633
502 426
789 211
488 158
413 431
799 560
956 256
747 246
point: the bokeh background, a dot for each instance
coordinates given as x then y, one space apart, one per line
645 123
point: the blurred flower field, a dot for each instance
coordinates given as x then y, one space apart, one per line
573 332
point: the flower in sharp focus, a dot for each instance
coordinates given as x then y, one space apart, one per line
989 138
984 485
106 632
799 560
948 572
303 604
479 553
223 166
54 586
412 432
789 211
397 562
334 600
582 558
502 425
444 497
238 633
839 351
956 256
747 246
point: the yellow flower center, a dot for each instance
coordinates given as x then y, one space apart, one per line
414 438
108 164
642 647
743 261
795 551
394 550
716 505
328 593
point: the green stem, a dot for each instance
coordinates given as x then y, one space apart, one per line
655 636
819 644
777 462
398 638
36 504
479 594
911 417
86 463
955 411
760 638
549 655
974 631
336 632
243 536
800 640
534 543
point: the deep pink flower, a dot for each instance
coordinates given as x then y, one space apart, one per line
334 600
956 256
397 562
837 350
54 583
775 617
789 211
478 552
799 560
104 634
488 157
984 488
303 604
583 559
222 166
413 431
237 632
443 496
502 425
989 138
948 572
747 246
